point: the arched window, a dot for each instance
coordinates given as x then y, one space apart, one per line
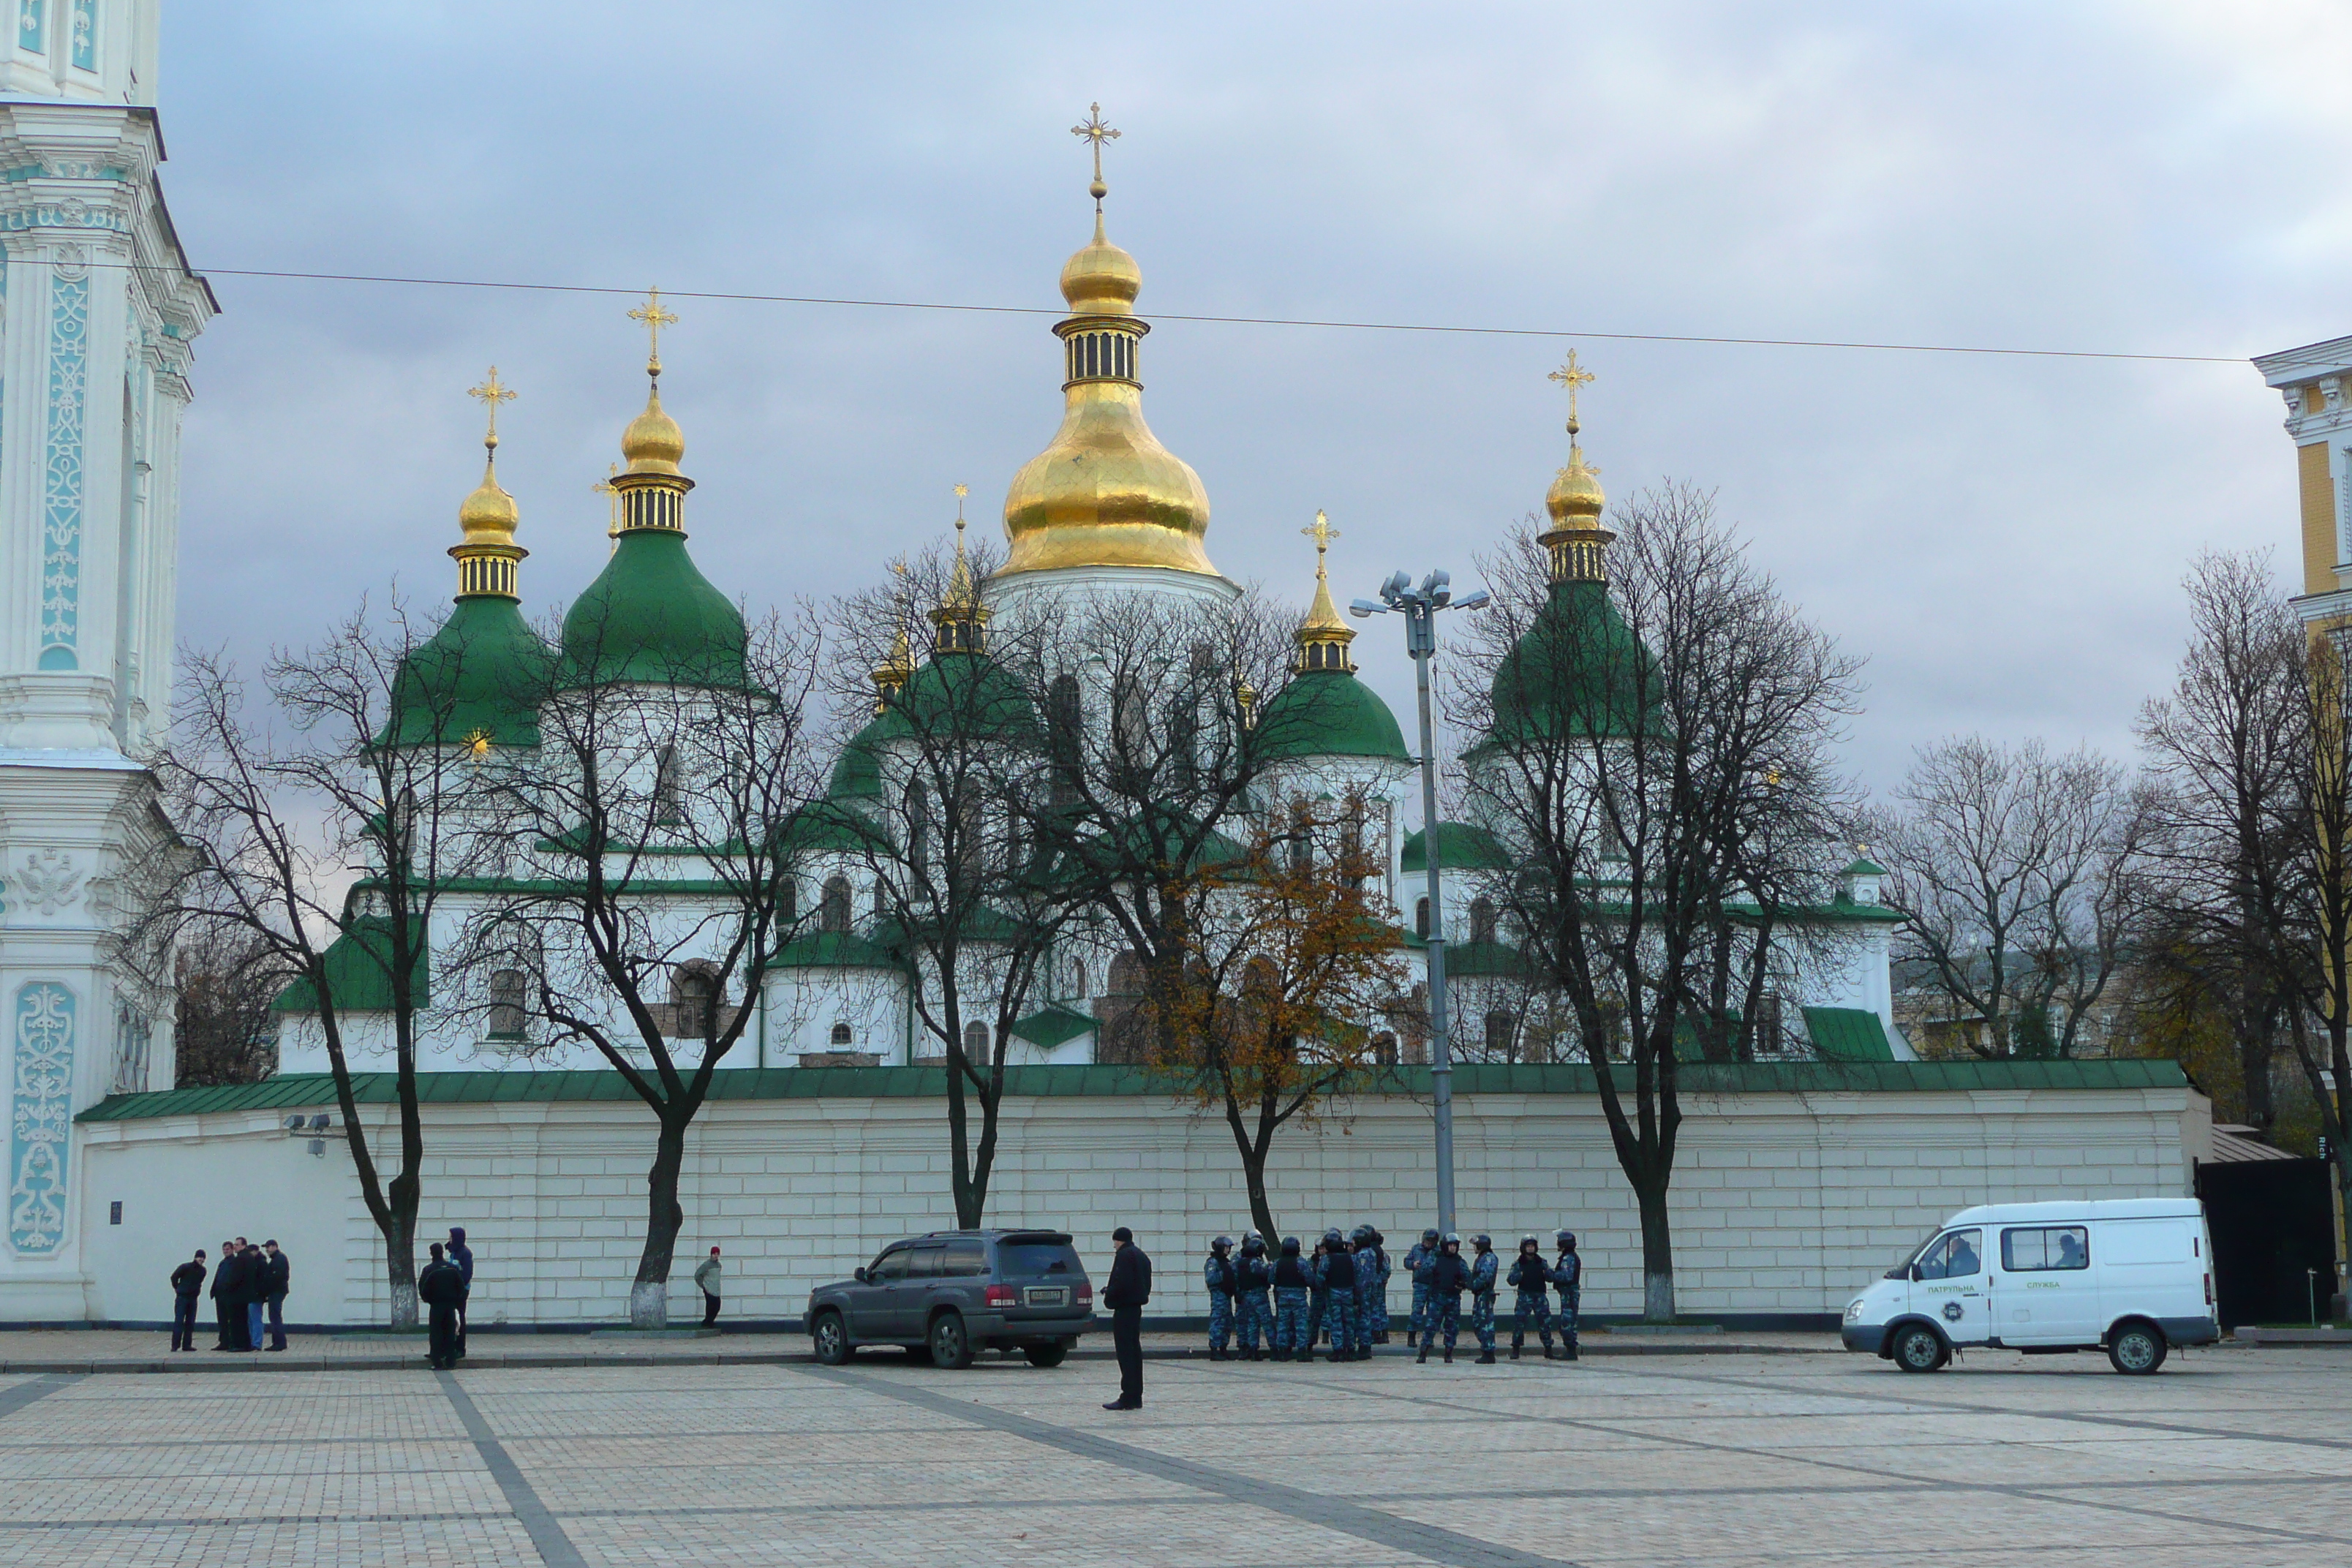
1500 1027
975 1042
843 1034
506 1004
971 835
1077 977
918 826
1065 735
1482 920
1384 1050
1420 919
1302 837
788 902
669 809
832 912
693 997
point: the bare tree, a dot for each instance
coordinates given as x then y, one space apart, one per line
2316 949
964 880
654 882
224 982
2024 879
1653 734
2233 745
322 854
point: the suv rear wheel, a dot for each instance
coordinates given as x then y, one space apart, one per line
2135 1347
1050 1353
830 1339
950 1346
1919 1348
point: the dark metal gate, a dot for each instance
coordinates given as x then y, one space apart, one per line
2273 1223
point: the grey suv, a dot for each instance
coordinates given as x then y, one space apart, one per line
956 1293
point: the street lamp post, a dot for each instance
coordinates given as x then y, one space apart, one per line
1419 606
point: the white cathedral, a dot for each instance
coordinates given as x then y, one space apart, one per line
100 311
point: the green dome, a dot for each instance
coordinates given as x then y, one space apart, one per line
482 673
1574 672
651 617
1461 847
857 772
1329 713
960 694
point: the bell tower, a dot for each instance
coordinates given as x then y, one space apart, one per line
99 311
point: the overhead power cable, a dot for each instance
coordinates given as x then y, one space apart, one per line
1433 327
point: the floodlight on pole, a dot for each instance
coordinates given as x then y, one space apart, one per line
1419 606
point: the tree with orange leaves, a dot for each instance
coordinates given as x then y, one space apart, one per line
1290 957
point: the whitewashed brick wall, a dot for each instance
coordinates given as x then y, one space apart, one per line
1782 1203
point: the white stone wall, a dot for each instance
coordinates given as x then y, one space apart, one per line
1782 1203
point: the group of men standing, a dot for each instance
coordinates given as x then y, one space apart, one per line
1341 1289
443 1286
248 1287
1441 1275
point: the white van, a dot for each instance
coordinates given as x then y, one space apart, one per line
2133 1276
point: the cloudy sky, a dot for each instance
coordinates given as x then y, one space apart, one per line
2003 536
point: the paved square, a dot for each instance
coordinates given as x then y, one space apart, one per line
2233 1456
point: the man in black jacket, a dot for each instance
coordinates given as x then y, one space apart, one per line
1128 1289
187 1284
277 1278
228 1297
442 1288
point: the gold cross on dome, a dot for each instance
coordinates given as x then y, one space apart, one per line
605 488
492 395
655 318
1322 533
1574 377
1096 132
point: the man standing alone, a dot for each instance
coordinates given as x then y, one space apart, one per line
187 1285
277 1278
706 1279
1128 1289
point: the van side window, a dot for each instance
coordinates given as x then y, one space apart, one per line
1956 1255
966 1256
891 1265
2045 1247
924 1262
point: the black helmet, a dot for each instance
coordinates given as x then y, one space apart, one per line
1252 1243
1332 1236
1378 1239
1290 1246
1362 1236
1565 1237
1222 1244
1454 1241
1483 1242
1428 1236
1530 1239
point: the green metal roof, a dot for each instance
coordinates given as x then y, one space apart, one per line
1461 847
1864 865
359 970
857 772
835 950
1329 713
306 1090
1578 671
1849 1034
651 617
1053 1026
483 672
958 697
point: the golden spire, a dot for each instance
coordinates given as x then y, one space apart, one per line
1323 636
653 443
1576 539
962 617
1104 492
486 553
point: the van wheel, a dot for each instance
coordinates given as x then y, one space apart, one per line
2137 1347
1050 1353
950 1347
830 1339
1919 1348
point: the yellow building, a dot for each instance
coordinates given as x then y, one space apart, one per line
2316 380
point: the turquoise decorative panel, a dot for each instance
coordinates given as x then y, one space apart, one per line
40 1118
62 467
84 50
31 16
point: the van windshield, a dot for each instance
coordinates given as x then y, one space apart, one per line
1902 1269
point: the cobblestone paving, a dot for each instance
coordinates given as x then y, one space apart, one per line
2235 1457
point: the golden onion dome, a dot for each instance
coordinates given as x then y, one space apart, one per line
653 443
490 515
1101 279
1575 496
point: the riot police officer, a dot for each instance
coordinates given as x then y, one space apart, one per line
1218 1274
1253 1322
1531 1278
1443 1276
1416 1256
1568 1277
1483 1268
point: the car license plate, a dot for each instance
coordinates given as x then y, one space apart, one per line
1056 1297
